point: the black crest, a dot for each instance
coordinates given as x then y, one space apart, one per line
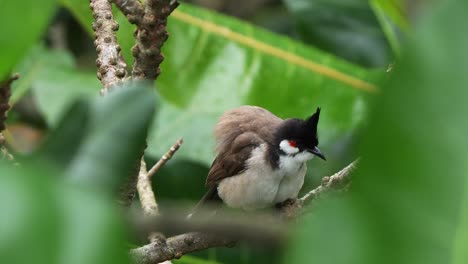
305 131
311 125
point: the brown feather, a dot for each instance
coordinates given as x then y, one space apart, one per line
237 133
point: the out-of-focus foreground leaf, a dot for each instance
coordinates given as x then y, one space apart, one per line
346 28
214 63
193 260
114 135
46 221
38 61
407 203
22 23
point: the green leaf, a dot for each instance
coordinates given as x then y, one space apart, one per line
38 60
115 138
460 254
56 89
46 221
23 22
193 260
63 143
395 11
347 28
214 63
82 11
407 203
389 14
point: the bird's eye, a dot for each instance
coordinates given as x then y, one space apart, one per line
293 143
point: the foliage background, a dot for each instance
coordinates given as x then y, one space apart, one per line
406 204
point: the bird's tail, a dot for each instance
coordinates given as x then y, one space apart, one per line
210 196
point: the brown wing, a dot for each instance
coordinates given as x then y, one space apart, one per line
237 133
231 161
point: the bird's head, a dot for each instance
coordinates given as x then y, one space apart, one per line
296 136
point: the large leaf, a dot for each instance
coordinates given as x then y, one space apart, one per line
214 63
84 138
34 64
46 221
408 201
57 88
23 22
347 28
115 137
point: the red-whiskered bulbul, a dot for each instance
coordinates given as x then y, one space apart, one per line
261 159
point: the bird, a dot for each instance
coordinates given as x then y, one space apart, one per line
261 158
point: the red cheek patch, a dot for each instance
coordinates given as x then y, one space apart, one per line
292 143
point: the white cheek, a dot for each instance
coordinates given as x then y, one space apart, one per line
284 146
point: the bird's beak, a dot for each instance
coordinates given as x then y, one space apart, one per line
316 151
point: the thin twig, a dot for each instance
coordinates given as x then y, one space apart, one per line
145 192
150 35
165 158
132 9
110 63
329 182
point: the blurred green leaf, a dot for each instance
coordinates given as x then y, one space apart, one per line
82 11
65 140
193 260
116 137
29 214
38 60
23 22
395 11
346 28
56 89
46 221
408 200
93 231
390 15
98 139
460 254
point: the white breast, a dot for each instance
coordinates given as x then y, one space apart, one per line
259 186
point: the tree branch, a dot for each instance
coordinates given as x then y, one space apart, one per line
132 9
145 189
110 63
177 246
166 157
328 182
150 35
5 93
